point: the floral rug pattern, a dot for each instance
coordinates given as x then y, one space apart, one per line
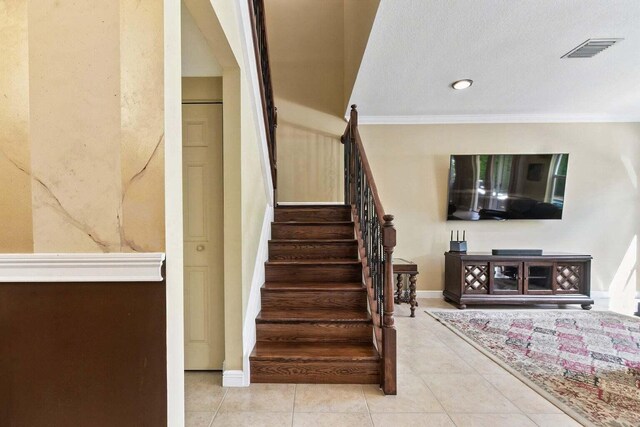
589 362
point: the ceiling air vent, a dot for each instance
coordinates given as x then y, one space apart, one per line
590 48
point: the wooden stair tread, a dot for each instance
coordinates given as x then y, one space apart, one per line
320 261
314 207
306 316
312 223
314 286
314 326
313 351
314 241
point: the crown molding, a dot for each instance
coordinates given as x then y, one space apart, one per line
81 267
496 118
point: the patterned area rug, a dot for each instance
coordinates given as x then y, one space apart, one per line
587 363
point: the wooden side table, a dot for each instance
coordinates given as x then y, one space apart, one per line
403 267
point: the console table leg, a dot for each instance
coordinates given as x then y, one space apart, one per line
398 297
412 294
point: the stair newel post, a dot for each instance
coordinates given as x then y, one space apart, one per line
389 368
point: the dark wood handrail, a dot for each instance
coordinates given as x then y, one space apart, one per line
376 239
269 110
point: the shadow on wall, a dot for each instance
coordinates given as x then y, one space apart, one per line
307 53
310 155
622 291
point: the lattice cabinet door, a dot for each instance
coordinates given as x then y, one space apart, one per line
476 278
569 277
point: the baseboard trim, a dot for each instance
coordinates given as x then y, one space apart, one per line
428 294
607 294
438 294
233 378
81 267
253 305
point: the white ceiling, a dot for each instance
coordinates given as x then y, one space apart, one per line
511 50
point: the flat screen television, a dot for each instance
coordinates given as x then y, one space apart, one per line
507 186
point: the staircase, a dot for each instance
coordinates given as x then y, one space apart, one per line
314 326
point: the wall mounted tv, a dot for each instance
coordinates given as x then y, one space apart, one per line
507 186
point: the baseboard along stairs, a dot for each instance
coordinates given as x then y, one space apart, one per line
314 326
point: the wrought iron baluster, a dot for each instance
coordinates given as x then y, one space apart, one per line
377 239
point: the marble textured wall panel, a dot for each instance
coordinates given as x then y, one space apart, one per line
74 80
15 183
142 123
81 126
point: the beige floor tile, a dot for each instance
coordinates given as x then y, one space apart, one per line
492 420
437 371
198 419
203 391
252 419
326 419
330 398
553 420
527 400
474 358
412 420
418 338
404 367
468 393
259 397
437 361
413 396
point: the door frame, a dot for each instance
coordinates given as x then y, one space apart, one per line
208 101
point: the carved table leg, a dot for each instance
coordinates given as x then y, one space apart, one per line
398 297
412 294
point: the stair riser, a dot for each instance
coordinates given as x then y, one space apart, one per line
315 231
298 251
320 300
313 273
315 372
315 332
313 214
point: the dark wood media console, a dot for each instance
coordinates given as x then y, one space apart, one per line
482 278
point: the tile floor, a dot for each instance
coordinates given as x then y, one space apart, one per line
442 381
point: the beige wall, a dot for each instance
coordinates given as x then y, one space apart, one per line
602 200
196 89
310 156
314 61
91 158
307 53
16 234
307 65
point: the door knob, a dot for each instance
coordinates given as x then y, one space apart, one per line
200 248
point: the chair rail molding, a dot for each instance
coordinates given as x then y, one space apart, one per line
81 267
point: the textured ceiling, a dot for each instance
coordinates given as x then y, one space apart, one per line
511 49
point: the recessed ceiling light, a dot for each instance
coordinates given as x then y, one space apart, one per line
462 84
